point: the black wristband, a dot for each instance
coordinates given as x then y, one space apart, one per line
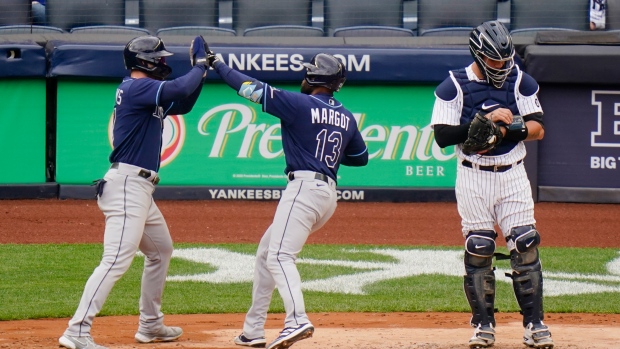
516 135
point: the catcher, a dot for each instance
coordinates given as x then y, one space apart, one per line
478 109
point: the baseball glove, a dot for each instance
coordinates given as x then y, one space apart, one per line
483 135
198 51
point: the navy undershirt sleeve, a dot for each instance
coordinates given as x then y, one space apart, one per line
446 135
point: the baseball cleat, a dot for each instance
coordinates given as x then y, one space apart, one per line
258 342
290 335
75 342
165 334
537 336
484 337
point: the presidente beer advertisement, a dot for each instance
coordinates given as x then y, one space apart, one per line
228 141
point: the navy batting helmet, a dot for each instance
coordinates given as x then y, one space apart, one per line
141 51
325 70
492 40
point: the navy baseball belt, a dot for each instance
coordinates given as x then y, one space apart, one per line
146 174
319 176
503 168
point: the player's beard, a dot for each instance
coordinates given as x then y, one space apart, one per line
305 88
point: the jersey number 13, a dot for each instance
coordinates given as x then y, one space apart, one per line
328 147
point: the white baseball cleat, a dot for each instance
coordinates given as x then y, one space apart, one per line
290 335
484 337
165 334
75 342
537 336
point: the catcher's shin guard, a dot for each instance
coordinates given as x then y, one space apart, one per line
480 292
528 287
527 279
479 279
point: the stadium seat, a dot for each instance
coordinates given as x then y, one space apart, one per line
182 17
94 14
108 29
372 31
29 29
527 17
365 18
453 17
274 18
284 30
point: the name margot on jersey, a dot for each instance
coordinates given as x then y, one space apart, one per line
331 117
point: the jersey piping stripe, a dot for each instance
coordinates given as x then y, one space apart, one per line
278 254
360 153
159 93
117 252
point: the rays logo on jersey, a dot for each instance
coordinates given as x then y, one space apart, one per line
173 137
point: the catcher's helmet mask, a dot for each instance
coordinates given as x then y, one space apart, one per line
147 54
325 70
492 40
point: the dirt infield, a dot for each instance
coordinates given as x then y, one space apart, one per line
78 221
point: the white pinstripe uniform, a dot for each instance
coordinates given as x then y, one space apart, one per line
485 197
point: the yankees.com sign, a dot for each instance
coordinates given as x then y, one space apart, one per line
226 141
581 147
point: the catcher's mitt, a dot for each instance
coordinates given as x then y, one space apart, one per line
483 135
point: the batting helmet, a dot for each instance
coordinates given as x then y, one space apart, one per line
325 70
492 40
147 54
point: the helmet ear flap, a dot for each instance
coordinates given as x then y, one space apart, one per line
147 54
325 70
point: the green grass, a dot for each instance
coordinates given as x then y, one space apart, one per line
46 281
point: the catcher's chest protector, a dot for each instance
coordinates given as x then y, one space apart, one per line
475 94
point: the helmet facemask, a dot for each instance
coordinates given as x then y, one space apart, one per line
495 76
491 40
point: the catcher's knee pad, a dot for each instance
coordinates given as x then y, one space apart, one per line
523 239
479 249
527 279
523 244
479 281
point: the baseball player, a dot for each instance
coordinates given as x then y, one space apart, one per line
124 195
318 134
492 186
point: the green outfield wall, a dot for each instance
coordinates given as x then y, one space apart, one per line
228 141
22 131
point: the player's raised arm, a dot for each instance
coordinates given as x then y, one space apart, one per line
180 95
246 86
